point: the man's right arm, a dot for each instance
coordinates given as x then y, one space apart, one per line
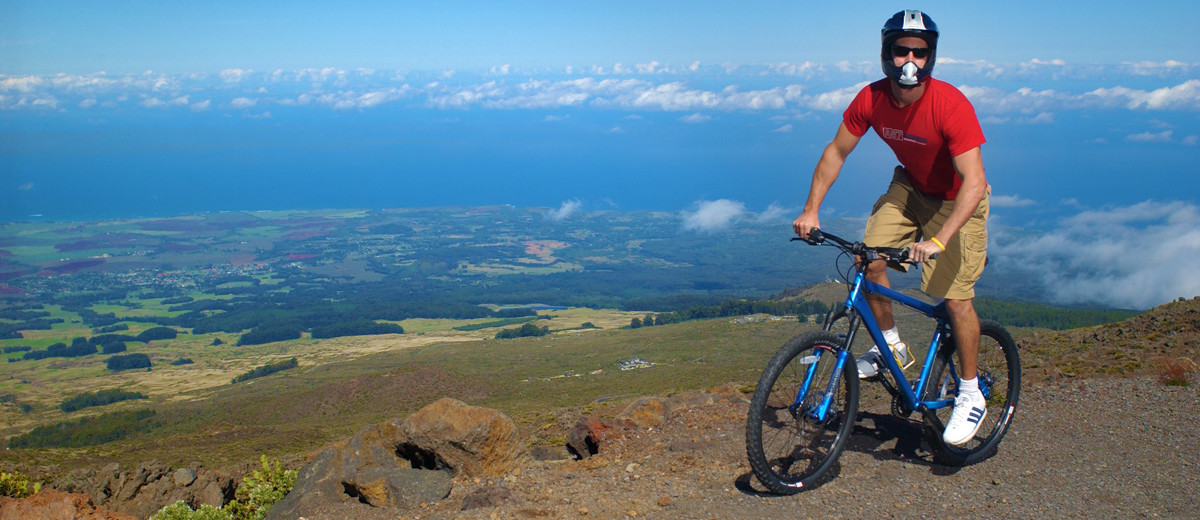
827 171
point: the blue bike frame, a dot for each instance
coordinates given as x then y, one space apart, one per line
857 308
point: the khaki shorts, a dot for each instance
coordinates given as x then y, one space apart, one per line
903 215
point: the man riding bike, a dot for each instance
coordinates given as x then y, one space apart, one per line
937 202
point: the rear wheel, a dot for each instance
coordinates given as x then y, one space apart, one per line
1000 381
790 449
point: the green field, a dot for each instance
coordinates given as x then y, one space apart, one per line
346 383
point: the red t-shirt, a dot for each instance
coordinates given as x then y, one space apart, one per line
924 135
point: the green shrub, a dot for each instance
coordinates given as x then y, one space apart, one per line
260 490
16 485
254 497
181 511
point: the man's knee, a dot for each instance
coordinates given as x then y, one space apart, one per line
960 308
877 271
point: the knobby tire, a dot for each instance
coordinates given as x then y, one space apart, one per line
1000 368
789 450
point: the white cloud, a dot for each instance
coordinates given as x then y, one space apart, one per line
1132 256
1043 118
243 102
21 83
234 75
1150 137
712 215
1150 68
696 118
201 106
836 100
776 213
1184 96
1010 201
654 67
807 69
783 129
568 208
1191 140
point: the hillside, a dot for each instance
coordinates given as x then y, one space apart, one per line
545 384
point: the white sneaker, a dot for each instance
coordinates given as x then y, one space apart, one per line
868 364
969 411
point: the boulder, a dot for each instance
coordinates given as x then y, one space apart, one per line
403 463
51 504
469 440
367 468
585 439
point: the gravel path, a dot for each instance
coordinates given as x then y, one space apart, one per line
1095 448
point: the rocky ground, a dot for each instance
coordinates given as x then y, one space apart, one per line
1094 448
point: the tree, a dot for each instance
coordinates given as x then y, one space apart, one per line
527 330
154 333
128 362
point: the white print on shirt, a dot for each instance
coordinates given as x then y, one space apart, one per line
896 134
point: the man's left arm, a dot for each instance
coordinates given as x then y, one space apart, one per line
969 166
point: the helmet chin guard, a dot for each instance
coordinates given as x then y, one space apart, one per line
904 24
908 75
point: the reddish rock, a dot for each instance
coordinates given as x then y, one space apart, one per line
589 434
471 441
51 504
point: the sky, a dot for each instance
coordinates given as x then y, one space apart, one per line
715 110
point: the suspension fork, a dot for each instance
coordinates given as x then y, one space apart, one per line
822 408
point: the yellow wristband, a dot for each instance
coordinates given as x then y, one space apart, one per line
938 242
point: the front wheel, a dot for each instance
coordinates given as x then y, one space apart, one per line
999 379
801 414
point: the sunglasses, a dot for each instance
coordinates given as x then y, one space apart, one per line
901 51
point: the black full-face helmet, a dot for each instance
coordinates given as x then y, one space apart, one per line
902 24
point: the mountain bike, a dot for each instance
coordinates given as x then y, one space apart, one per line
806 401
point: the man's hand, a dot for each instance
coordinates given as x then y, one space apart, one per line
923 251
805 223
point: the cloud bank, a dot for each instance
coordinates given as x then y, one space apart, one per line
693 90
1132 257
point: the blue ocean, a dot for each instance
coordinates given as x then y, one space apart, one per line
89 165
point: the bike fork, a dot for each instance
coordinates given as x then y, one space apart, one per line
821 410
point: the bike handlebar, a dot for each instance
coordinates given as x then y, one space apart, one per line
817 237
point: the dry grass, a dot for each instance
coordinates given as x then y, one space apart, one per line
1177 372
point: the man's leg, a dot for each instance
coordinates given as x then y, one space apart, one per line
970 408
965 323
881 307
